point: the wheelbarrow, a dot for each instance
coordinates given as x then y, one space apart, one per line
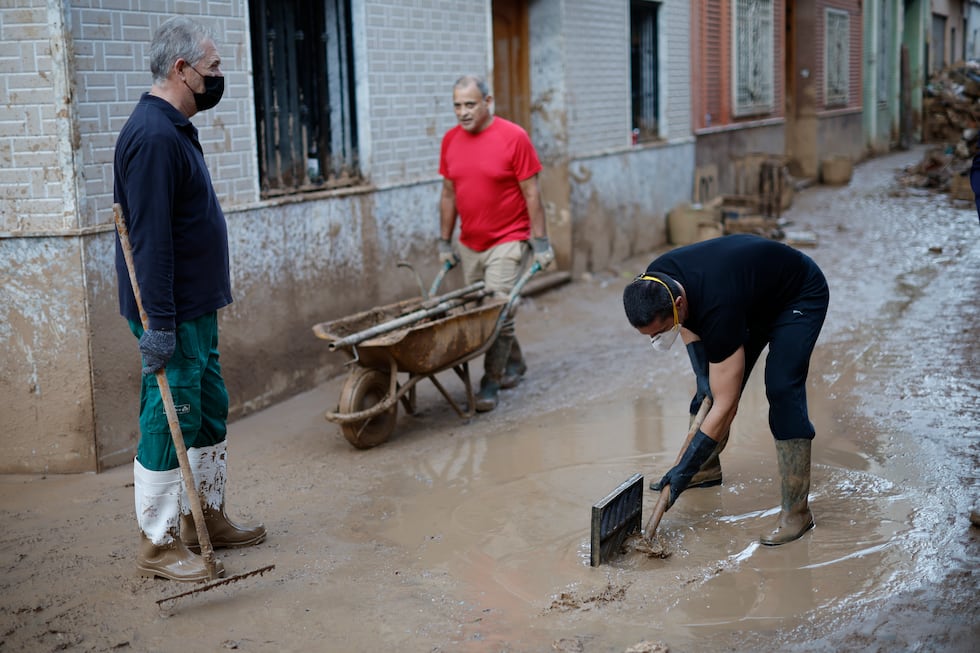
420 337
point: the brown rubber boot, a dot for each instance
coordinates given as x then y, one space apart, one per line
173 561
494 362
224 533
515 369
795 517
709 475
210 468
161 553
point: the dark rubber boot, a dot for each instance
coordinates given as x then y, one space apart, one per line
795 517
515 369
486 398
224 533
709 475
173 561
494 362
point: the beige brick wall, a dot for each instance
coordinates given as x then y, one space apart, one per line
597 39
111 40
415 50
31 177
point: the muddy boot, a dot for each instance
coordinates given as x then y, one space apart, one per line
709 475
161 553
494 363
795 517
209 466
975 516
515 369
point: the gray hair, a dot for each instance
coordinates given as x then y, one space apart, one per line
177 38
473 80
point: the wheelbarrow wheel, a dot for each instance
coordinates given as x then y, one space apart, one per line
364 388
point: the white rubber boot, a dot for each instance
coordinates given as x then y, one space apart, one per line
161 553
210 468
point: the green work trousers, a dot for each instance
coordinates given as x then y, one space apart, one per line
200 397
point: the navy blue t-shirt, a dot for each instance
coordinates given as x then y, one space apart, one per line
735 285
176 226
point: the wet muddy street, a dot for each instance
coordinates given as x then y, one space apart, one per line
474 536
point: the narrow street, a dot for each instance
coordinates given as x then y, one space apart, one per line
474 536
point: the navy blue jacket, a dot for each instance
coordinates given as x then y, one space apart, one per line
176 226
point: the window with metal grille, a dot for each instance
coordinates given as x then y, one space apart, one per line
302 56
754 57
644 69
838 57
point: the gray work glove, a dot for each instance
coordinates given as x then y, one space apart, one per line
447 257
699 362
543 253
680 475
157 346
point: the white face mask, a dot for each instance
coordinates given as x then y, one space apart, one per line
663 341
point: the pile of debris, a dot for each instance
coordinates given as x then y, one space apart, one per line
951 108
950 103
941 169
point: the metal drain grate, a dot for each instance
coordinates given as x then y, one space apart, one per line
615 517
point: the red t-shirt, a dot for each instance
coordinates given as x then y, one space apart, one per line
486 169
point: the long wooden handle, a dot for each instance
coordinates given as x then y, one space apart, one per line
207 551
661 506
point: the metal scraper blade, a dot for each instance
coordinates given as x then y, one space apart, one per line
618 515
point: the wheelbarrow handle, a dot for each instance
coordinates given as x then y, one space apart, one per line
515 292
446 267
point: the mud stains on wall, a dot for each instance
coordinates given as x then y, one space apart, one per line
115 357
725 148
296 265
45 414
620 202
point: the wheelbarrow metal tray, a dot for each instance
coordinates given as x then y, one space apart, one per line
424 348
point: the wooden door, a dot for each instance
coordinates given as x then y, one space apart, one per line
511 63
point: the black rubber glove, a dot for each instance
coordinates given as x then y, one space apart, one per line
694 456
157 346
699 362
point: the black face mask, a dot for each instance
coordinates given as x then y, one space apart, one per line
214 88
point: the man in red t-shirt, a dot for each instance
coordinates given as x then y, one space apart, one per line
490 180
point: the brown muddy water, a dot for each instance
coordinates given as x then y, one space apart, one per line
474 536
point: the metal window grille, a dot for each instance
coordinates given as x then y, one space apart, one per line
644 69
838 57
303 64
754 57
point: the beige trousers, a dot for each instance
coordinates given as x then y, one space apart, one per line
498 267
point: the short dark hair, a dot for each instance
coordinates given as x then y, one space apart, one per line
645 300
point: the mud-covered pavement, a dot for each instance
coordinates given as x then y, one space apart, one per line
474 536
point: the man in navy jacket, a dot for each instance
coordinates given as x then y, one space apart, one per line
180 253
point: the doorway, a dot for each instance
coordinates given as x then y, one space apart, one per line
511 63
